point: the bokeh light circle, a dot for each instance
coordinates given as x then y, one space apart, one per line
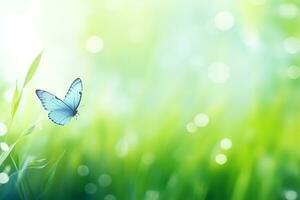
201 120
90 188
226 143
290 195
4 178
104 180
221 159
83 170
4 147
224 20
94 44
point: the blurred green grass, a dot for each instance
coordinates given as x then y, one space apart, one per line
149 70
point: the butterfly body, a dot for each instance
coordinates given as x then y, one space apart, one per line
62 111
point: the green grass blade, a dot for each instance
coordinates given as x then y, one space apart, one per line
29 130
45 185
32 69
5 154
15 101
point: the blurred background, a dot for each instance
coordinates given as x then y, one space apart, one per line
182 99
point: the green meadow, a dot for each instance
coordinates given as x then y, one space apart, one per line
182 100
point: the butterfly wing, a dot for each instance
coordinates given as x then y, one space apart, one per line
61 117
59 112
73 96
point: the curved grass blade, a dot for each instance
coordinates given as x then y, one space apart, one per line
18 93
5 154
49 177
15 101
32 69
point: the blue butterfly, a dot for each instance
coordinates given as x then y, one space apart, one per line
62 111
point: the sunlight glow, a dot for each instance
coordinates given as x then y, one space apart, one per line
20 42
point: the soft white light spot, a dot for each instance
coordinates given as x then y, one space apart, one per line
288 10
221 159
104 180
226 143
94 44
152 195
293 72
4 178
110 197
4 146
291 45
191 127
148 158
224 21
290 195
83 170
3 129
90 188
218 72
201 120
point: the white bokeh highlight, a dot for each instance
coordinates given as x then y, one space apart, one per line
4 178
201 120
191 127
221 159
226 143
288 10
94 44
290 195
4 147
224 21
